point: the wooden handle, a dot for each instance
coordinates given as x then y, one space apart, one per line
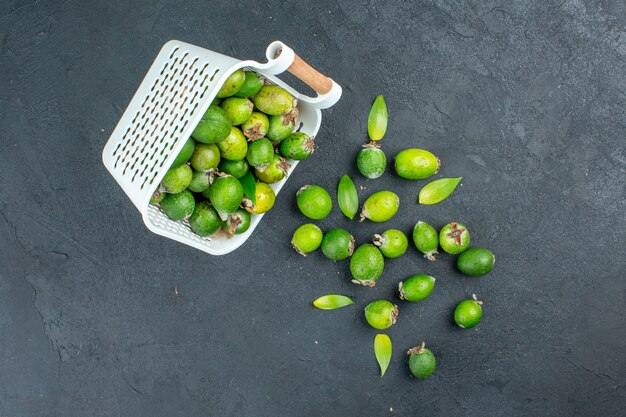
309 75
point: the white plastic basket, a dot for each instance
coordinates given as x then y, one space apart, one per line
177 90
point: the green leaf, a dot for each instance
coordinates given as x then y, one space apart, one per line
348 197
249 186
377 120
332 301
382 350
438 190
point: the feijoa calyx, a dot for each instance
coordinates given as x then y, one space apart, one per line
476 261
454 238
255 126
238 222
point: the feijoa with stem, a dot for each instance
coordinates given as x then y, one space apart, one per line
426 239
314 202
199 182
204 221
264 196
235 168
178 206
238 222
468 313
275 171
380 206
206 157
422 362
232 84
338 244
297 146
307 238
454 238
225 194
392 243
256 126
416 287
366 265
260 154
235 146
381 314
185 153
371 161
273 100
214 126
416 164
177 179
237 109
281 126
476 262
251 85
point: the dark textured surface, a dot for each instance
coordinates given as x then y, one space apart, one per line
524 99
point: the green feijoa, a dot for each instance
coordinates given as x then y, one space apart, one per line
185 153
297 146
177 179
416 288
338 244
238 222
235 168
454 238
426 240
275 171
371 161
273 100
306 238
416 164
468 312
476 261
255 126
237 109
157 196
225 194
206 157
260 153
264 199
380 206
421 361
314 202
282 125
392 243
381 314
214 126
178 206
366 265
199 182
251 85
232 84
204 221
235 146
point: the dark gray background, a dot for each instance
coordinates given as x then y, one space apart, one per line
524 99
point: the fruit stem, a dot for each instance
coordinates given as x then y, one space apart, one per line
366 283
400 292
430 255
378 240
480 303
394 314
417 349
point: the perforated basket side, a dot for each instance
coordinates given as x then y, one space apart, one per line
170 101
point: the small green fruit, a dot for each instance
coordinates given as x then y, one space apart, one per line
314 202
157 196
232 84
392 243
282 125
213 127
237 109
260 153
265 198
380 206
238 222
366 265
177 179
476 262
178 206
235 146
273 100
381 314
468 313
416 288
235 168
297 146
306 238
371 162
204 221
416 164
421 361
199 182
205 157
251 85
275 171
185 153
426 240
225 194
454 238
338 244
255 126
